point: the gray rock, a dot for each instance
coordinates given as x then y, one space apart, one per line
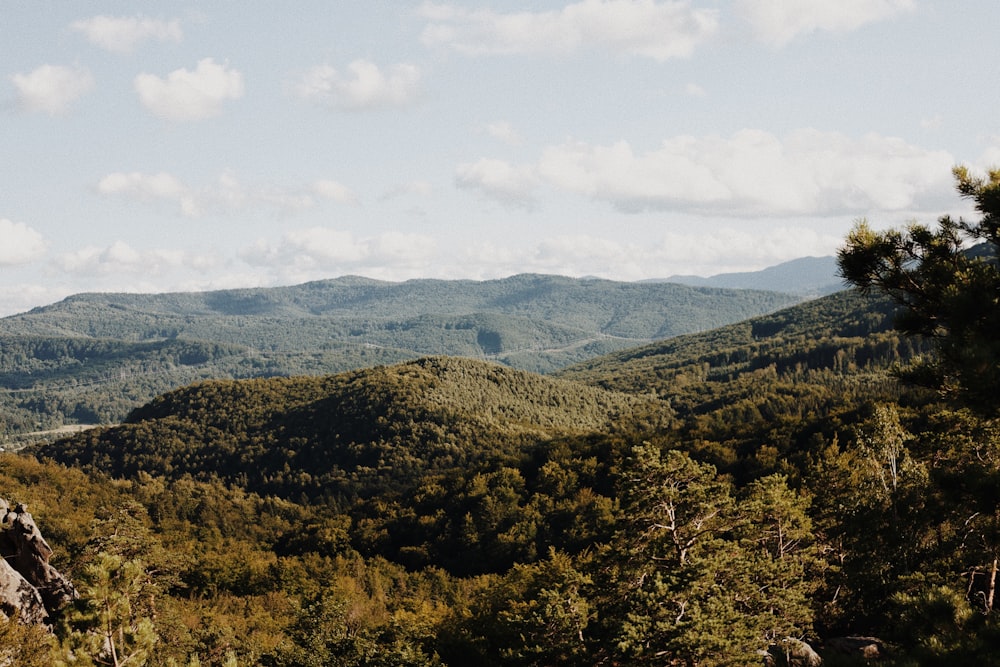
799 654
866 648
29 586
18 597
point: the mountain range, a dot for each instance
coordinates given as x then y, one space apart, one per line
91 358
807 277
768 482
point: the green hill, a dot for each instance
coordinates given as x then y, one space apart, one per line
279 318
93 357
390 447
354 434
767 479
786 379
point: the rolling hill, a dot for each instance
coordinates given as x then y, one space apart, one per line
349 434
449 506
92 357
789 379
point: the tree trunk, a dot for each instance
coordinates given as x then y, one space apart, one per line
993 586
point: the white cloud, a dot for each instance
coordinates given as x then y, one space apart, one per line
778 22
505 132
186 95
364 86
989 159
227 195
143 186
120 258
703 251
52 88
122 33
21 244
750 173
334 191
18 298
509 184
317 251
657 30
401 249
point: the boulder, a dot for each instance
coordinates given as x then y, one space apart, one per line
865 648
29 586
797 653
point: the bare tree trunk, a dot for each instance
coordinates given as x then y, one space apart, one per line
993 586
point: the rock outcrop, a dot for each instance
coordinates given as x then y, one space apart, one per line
864 648
29 586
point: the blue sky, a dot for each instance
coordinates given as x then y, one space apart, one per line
208 145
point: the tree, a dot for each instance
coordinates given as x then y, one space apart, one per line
109 625
706 577
535 614
947 292
783 568
124 571
24 644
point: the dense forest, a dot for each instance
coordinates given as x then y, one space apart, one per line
451 511
818 485
91 358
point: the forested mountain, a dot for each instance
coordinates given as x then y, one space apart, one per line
93 357
362 310
764 487
355 434
806 276
776 380
471 513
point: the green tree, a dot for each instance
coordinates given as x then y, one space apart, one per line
24 644
783 567
328 634
709 578
109 626
947 292
536 614
677 603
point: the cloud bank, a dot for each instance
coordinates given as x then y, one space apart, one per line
228 195
752 172
362 87
122 259
778 22
322 251
657 30
21 244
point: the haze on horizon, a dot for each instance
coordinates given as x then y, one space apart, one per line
214 145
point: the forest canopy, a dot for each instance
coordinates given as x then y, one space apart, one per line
767 488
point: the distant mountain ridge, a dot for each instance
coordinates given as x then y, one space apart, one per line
806 276
91 357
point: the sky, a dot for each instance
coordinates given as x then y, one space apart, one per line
179 146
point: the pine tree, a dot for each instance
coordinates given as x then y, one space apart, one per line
947 293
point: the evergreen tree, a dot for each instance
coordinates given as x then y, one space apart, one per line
946 292
109 626
707 580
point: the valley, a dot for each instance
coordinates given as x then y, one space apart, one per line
767 482
93 357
